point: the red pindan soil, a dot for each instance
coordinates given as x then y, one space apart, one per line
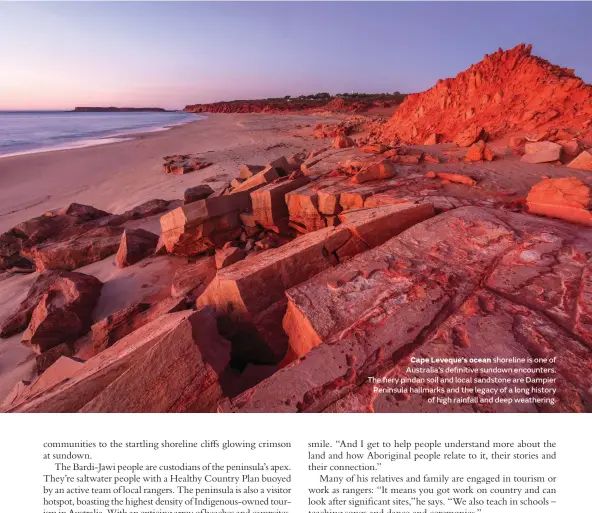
459 230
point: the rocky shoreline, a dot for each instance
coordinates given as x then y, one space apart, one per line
380 242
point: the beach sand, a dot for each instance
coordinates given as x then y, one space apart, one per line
119 176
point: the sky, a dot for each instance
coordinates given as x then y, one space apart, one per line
169 54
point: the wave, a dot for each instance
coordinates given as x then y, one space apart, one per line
30 133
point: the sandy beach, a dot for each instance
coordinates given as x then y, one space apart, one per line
118 176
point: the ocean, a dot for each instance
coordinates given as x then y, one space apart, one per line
33 132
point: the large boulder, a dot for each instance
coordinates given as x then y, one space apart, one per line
540 152
78 251
197 193
204 224
135 245
19 320
563 198
64 311
269 203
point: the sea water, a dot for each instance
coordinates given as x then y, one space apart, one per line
33 132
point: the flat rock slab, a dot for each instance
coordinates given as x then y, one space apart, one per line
100 371
357 318
582 161
563 198
78 251
487 326
180 373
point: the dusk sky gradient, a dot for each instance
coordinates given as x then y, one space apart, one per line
59 55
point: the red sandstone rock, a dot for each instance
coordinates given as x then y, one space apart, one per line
183 164
246 171
100 371
342 141
247 289
432 159
268 175
193 278
45 360
470 135
478 152
182 372
378 171
374 148
407 159
507 92
64 312
77 251
539 152
135 245
18 245
455 177
270 208
204 224
431 140
56 374
468 266
582 161
303 208
564 198
19 320
114 327
228 256
147 209
197 193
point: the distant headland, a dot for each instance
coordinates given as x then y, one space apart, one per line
119 109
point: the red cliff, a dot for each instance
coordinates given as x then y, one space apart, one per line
508 91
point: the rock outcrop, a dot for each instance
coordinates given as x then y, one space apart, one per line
181 372
179 357
441 288
20 319
64 311
135 245
509 91
205 224
183 164
249 295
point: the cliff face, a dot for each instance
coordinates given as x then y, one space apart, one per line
118 109
295 105
508 91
